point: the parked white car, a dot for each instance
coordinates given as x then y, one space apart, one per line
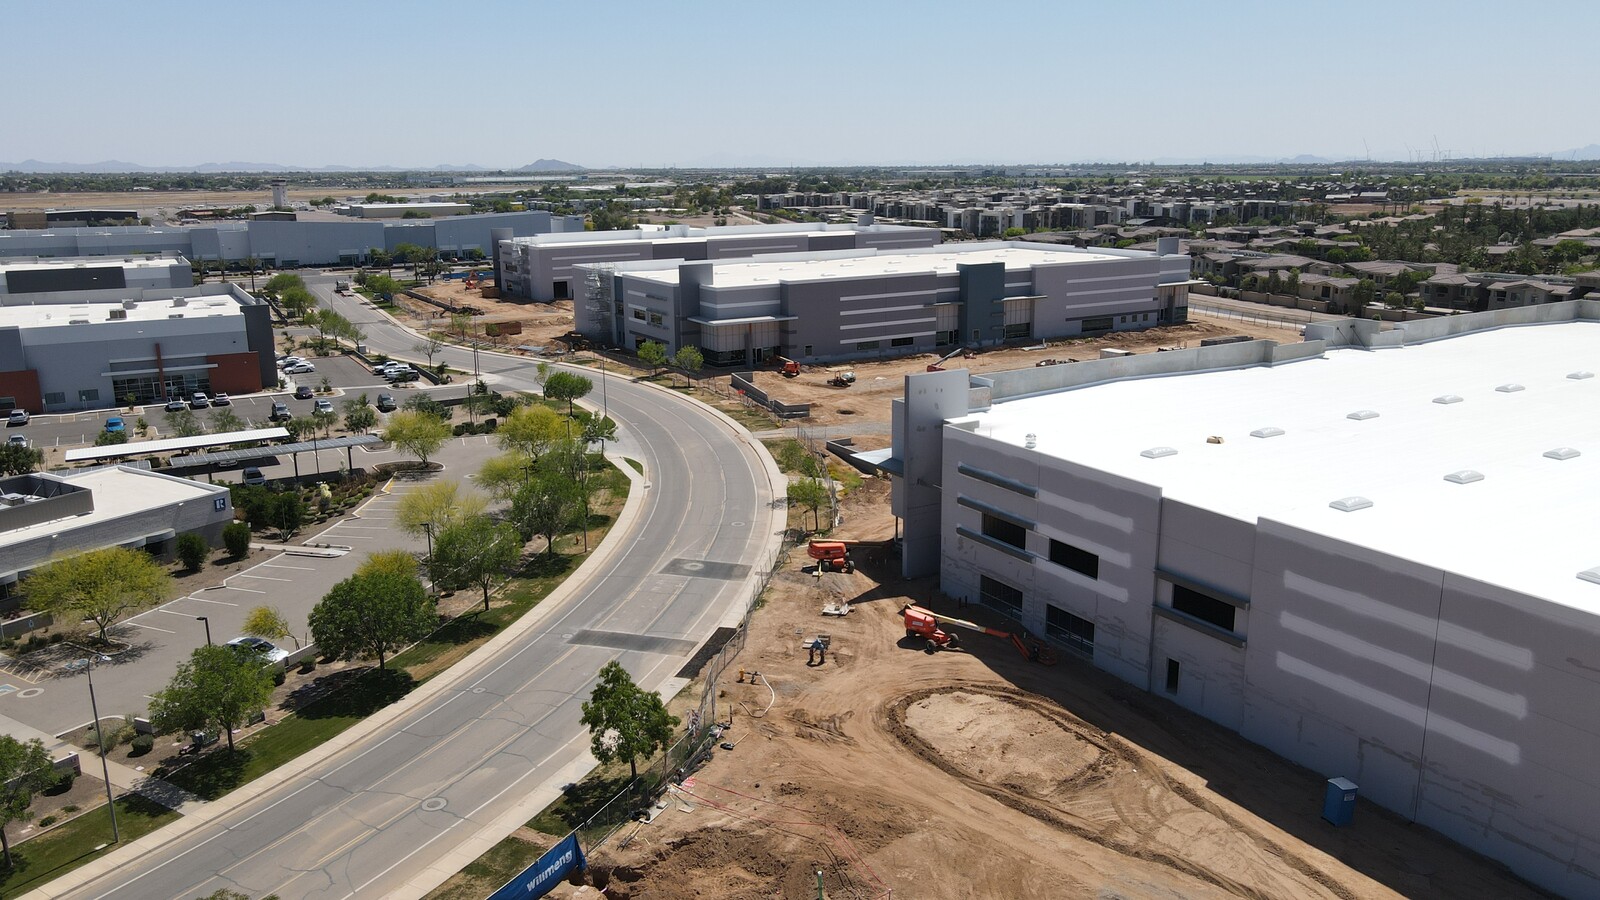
299 368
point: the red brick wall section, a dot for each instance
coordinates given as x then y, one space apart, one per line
235 373
23 384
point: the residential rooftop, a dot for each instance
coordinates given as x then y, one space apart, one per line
1410 429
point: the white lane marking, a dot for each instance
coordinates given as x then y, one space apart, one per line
151 627
278 566
263 578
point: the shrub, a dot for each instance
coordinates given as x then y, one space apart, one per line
236 537
192 551
70 808
143 744
47 821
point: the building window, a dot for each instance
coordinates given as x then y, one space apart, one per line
655 318
1207 609
1102 323
901 342
639 314
1172 676
57 397
808 351
867 345
944 338
1075 631
91 395
1001 596
1020 330
1006 532
1081 561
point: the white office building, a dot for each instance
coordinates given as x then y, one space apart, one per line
36 274
1374 553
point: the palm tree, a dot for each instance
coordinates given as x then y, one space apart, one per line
254 263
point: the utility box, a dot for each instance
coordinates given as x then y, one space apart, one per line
1339 802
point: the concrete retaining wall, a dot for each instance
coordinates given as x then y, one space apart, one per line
744 383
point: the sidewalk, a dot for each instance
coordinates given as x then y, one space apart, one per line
122 775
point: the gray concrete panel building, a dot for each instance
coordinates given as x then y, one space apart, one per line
850 304
1372 552
35 275
543 268
284 244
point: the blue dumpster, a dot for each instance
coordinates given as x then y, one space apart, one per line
1339 803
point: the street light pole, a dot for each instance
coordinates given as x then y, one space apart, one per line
100 741
207 623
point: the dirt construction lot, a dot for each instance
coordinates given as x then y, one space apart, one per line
975 773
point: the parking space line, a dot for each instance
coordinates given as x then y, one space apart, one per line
277 566
263 578
204 600
229 587
151 627
171 613
360 527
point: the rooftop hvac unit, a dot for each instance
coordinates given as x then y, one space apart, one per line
117 314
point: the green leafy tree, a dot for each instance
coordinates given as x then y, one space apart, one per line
297 301
531 430
474 552
220 685
567 386
416 433
236 538
184 423
286 512
812 494
25 770
359 418
100 585
502 475
16 459
225 420
372 615
544 505
625 721
281 282
325 420
192 551
302 427
423 403
110 438
395 562
437 505
653 354
689 359
269 622
1363 293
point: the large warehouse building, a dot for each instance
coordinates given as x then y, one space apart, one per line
279 244
34 275
542 268
851 304
1374 553
71 350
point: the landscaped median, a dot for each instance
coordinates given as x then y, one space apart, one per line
341 700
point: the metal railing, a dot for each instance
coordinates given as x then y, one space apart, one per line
1248 315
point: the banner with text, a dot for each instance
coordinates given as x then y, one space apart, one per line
539 878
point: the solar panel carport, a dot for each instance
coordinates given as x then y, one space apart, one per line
222 457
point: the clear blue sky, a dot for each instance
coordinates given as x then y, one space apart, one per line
769 83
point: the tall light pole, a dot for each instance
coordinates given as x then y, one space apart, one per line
99 739
207 622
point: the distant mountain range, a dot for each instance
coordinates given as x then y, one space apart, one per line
116 166
113 166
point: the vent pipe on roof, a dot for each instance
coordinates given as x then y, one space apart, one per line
1031 441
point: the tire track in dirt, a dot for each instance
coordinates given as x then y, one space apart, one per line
1121 800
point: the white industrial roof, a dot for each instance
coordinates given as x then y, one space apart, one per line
83 262
119 491
943 261
1528 524
44 314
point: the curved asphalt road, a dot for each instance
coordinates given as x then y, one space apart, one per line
471 761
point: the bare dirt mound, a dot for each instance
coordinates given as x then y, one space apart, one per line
741 863
1039 759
